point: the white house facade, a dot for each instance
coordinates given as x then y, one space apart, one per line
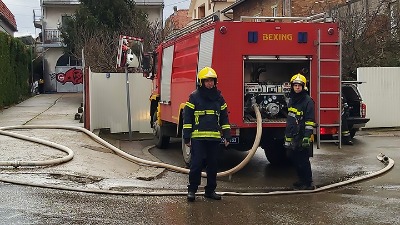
62 73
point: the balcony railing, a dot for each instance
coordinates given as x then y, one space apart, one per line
59 2
37 18
52 36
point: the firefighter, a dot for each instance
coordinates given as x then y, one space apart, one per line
41 85
299 131
345 128
205 118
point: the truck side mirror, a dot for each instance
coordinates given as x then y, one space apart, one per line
132 60
134 53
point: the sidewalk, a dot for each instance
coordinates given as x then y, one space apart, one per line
93 165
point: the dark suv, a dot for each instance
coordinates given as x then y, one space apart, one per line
357 109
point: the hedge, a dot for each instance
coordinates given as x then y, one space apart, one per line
15 63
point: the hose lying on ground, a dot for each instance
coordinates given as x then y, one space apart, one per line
50 162
389 164
388 161
118 151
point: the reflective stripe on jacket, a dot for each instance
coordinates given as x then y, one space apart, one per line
300 121
204 118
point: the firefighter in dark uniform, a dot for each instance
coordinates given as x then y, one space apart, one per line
205 117
345 127
299 131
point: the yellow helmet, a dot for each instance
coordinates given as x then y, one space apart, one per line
206 73
298 79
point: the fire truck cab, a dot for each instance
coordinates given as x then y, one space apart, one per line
254 59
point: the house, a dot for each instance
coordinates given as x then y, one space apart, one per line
62 72
199 9
303 8
285 8
178 20
7 20
233 10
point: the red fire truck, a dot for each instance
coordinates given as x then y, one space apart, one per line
254 59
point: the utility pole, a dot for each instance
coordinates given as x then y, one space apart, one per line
128 102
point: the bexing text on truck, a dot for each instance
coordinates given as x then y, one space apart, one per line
254 61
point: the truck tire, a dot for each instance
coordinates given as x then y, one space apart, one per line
275 152
162 141
186 153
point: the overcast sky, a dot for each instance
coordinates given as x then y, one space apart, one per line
23 12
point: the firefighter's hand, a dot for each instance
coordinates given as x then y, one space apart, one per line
226 142
306 142
288 143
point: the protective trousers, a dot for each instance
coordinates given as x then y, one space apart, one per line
301 160
203 151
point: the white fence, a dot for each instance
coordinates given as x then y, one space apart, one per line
108 104
381 95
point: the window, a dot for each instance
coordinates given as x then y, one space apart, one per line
201 11
64 20
68 60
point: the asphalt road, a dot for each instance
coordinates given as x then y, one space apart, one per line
373 201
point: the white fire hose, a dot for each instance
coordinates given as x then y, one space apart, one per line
3 131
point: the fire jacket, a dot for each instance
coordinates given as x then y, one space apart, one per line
205 119
300 121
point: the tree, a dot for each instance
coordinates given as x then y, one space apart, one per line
371 34
96 27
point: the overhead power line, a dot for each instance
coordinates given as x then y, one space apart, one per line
176 3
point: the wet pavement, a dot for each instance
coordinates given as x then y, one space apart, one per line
93 166
373 201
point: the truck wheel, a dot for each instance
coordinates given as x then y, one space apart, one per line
186 153
162 141
275 152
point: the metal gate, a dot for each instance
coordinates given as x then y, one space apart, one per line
68 79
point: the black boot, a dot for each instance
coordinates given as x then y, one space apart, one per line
191 196
303 186
213 195
297 184
347 140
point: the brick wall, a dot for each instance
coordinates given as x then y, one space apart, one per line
310 7
256 7
298 7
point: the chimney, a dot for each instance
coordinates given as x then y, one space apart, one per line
175 9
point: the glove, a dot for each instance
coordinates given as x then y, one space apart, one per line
187 140
306 142
288 143
226 142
